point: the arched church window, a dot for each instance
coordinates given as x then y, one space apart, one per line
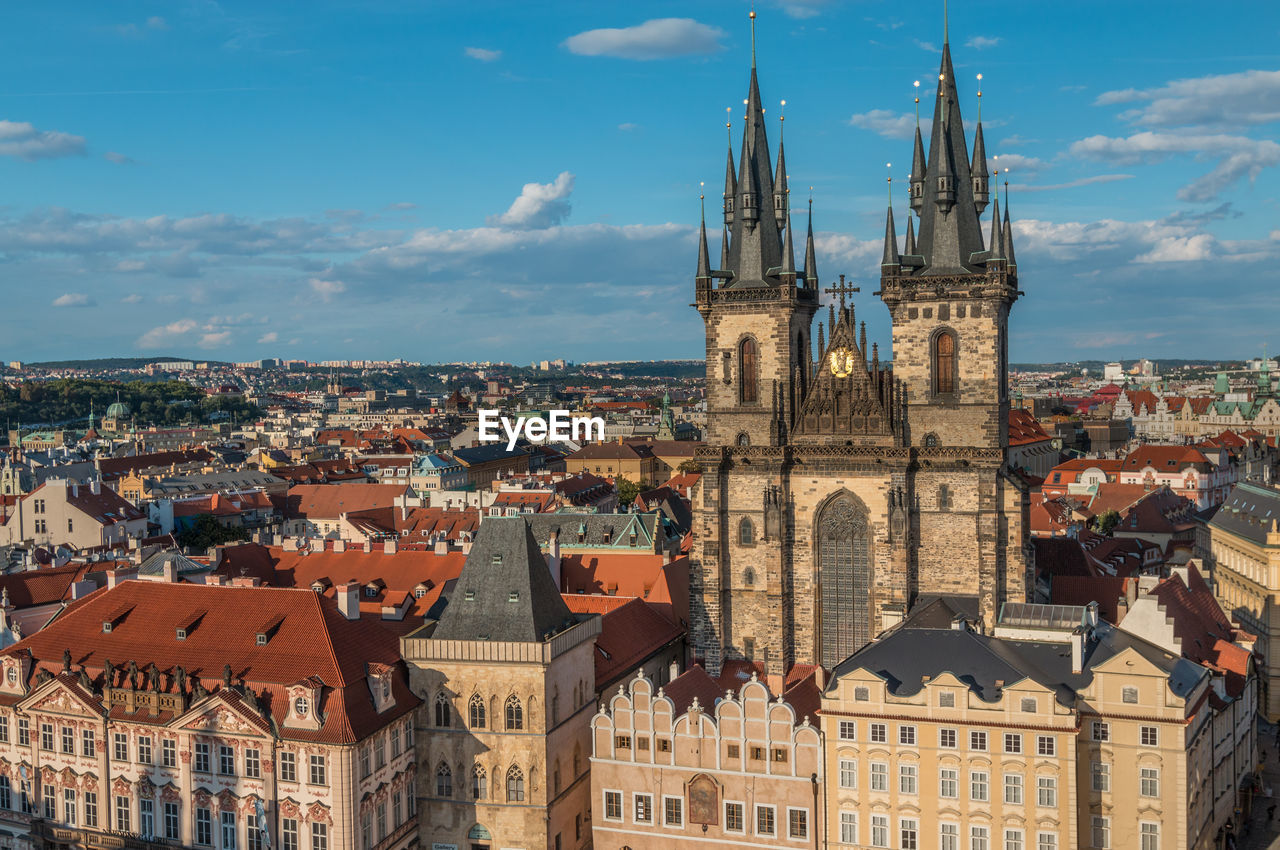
749 368
746 532
930 441
444 781
515 785
515 713
944 363
479 783
443 714
844 570
944 498
743 439
749 577
476 709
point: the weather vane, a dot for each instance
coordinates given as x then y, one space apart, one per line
979 98
917 85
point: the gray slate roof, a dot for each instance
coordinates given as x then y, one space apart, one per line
1250 511
505 591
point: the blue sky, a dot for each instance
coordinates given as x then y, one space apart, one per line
511 180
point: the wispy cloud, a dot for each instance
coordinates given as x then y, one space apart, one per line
158 337
22 140
118 158
891 125
1237 156
1017 163
627 126
660 38
926 45
327 288
483 54
539 205
1071 184
73 299
268 338
1220 100
982 42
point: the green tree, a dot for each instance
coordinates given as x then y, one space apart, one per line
1104 522
627 490
207 532
688 466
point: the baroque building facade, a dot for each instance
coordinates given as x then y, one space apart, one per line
837 487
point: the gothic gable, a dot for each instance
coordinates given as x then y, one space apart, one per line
847 395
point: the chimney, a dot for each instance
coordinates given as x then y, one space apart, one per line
1077 650
391 546
442 545
95 486
339 545
1091 615
119 574
368 546
170 571
349 600
75 490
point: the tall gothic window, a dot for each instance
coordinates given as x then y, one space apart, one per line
443 712
515 713
515 785
476 710
749 367
844 569
944 363
746 532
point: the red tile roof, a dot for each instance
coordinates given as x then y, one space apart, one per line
1081 590
629 634
1164 458
30 588
693 683
328 501
311 639
1024 429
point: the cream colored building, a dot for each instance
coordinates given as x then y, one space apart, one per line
81 516
507 682
1057 732
1241 547
692 766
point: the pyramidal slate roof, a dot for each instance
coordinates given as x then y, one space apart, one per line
505 591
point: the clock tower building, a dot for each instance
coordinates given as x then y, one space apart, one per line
839 487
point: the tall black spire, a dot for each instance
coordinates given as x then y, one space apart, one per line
890 257
909 249
704 258
810 256
1007 236
949 232
730 184
917 171
978 171
781 202
994 247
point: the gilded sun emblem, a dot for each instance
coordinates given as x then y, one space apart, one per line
841 362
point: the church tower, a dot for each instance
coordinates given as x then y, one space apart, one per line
757 307
948 294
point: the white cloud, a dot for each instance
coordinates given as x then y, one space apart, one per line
269 337
891 125
1219 100
1071 184
327 289
802 9
20 139
654 39
156 22
135 298
216 339
627 126
927 45
539 205
73 299
165 334
982 42
1017 163
1237 156
483 54
401 206
117 158
1179 249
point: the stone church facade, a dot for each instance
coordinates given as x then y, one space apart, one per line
837 488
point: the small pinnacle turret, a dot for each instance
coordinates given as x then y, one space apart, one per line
978 172
730 188
910 248
890 257
994 247
780 200
810 255
788 253
1007 235
704 258
917 174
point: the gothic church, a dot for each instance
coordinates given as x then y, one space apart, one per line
838 487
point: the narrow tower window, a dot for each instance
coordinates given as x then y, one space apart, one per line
749 366
944 363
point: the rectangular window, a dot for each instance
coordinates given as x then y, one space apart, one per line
947 699
1047 841
1101 832
1101 731
644 808
949 836
24 732
1150 835
673 811
732 751
204 827
1013 789
1013 839
146 816
765 824
979 838
88 744
6 793
227 760
172 828
1101 776
848 730
879 733
978 741
91 808
1150 736
228 822
122 813
318 774
734 817
797 823
907 777
907 736
169 753
879 776
4 728
288 767
1149 782
289 834
979 786
848 773
909 830
202 764
1012 743
46 736
68 741
949 783
319 836
69 806
613 805
1047 792
252 764
144 750
947 739
1046 745
366 762
879 831
395 743
120 746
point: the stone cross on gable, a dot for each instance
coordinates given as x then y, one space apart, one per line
842 289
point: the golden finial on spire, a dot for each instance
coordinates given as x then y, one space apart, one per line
946 35
979 98
889 165
753 35
917 85
811 199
